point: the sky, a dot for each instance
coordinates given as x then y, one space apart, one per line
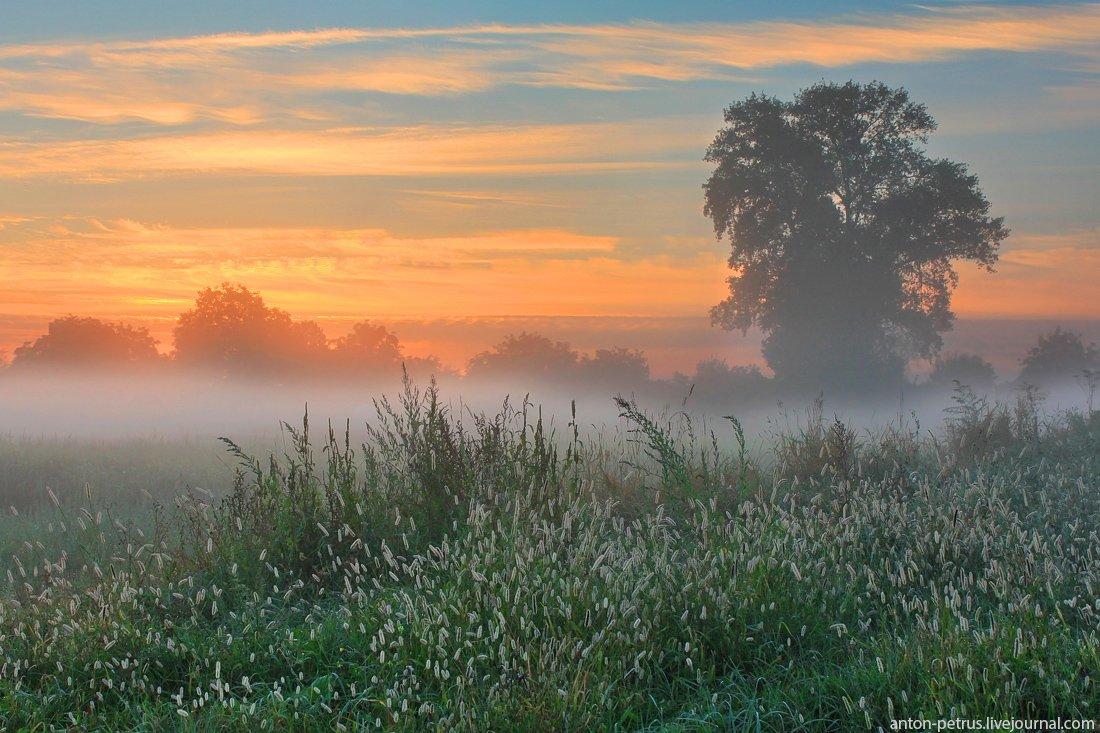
461 169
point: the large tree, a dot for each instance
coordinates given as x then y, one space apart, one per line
843 231
232 332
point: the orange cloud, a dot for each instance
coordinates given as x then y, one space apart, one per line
146 50
395 151
453 72
240 78
8 220
898 37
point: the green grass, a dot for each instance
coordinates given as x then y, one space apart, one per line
118 470
486 574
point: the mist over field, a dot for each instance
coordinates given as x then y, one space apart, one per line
110 438
117 407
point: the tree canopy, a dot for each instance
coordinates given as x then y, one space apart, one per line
77 342
524 355
230 330
370 349
1058 356
615 369
966 369
531 356
233 332
843 230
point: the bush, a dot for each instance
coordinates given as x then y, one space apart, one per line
1058 356
968 369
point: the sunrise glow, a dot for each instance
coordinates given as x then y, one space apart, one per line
389 169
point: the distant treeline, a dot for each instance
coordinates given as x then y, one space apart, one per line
231 333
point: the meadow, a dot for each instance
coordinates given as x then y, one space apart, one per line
457 571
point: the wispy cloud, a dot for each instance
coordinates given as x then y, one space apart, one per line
901 37
122 242
238 78
7 220
388 151
437 199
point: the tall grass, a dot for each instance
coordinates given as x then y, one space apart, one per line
482 572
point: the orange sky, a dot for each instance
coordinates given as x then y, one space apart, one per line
496 170
148 275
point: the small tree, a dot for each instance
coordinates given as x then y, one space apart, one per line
528 356
718 382
967 369
842 230
87 343
231 331
426 368
615 369
1058 356
369 350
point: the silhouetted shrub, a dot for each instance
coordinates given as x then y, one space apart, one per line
969 369
528 356
1058 355
718 382
615 369
88 343
370 350
231 331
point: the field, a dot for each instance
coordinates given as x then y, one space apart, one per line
460 572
